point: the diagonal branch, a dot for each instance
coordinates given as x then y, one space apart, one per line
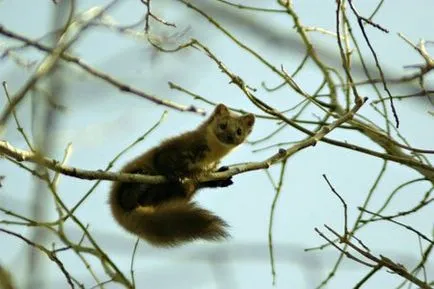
101 75
282 154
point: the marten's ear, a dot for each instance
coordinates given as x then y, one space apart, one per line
221 109
249 119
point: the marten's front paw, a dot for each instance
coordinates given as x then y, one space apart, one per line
225 183
219 183
223 169
174 179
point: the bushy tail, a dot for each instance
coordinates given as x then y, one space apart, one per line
173 223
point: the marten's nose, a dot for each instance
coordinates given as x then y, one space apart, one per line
230 138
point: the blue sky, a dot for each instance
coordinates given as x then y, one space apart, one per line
100 121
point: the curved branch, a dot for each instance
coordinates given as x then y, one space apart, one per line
99 74
282 154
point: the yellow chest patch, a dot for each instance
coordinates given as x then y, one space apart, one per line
217 151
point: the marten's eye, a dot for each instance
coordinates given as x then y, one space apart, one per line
223 126
239 131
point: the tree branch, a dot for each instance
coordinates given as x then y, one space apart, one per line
282 154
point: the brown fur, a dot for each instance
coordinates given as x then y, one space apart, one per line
163 214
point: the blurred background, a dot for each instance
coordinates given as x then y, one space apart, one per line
99 121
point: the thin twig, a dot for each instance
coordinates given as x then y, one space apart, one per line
52 256
360 20
278 190
99 74
343 204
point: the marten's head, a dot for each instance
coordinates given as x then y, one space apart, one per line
231 128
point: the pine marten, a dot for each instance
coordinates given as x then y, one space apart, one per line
164 214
